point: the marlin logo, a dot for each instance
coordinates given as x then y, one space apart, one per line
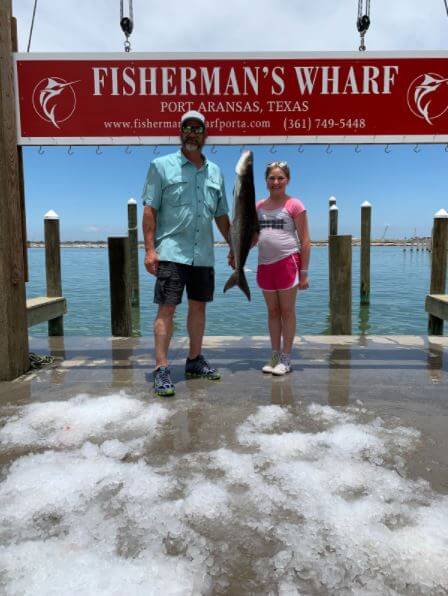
45 104
423 91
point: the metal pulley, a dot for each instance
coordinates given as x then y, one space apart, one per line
363 22
127 24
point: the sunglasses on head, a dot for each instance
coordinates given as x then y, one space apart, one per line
277 164
191 128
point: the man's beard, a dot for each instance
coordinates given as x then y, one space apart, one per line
190 147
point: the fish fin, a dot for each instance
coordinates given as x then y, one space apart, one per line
238 279
232 281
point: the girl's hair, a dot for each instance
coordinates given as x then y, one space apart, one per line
278 164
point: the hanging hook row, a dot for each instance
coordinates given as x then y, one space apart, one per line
127 24
363 22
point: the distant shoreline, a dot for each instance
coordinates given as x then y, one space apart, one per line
316 243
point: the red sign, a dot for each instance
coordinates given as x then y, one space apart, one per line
256 99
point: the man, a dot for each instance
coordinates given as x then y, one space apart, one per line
182 195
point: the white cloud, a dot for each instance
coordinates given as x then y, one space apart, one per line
293 25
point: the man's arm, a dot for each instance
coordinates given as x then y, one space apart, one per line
149 231
223 223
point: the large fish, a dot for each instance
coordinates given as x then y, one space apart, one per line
244 222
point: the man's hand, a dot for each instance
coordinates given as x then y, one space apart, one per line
231 259
151 262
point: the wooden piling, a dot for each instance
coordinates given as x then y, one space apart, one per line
120 287
53 267
366 222
15 48
438 266
333 220
340 249
14 359
133 251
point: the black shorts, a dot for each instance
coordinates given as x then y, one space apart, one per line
173 277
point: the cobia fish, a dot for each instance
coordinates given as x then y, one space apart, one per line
244 222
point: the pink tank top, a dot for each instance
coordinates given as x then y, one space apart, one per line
278 238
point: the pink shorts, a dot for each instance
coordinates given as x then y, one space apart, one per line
281 275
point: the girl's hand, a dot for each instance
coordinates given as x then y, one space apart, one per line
303 281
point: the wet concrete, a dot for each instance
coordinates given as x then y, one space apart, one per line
403 380
397 376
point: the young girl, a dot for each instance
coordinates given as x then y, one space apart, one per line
283 257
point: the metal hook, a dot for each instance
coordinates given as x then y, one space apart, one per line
273 149
357 149
387 149
417 148
328 149
98 150
128 150
300 149
70 151
213 149
156 150
41 151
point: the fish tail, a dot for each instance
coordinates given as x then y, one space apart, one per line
238 279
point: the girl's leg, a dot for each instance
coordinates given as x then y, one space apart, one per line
287 303
274 319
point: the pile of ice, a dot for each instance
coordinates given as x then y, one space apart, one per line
314 501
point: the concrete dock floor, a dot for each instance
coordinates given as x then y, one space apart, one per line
380 384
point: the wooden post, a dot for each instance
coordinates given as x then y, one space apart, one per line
333 220
133 251
332 231
341 285
15 48
53 267
438 265
14 359
120 289
366 219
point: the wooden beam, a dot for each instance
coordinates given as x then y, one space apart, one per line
437 306
14 359
43 309
15 48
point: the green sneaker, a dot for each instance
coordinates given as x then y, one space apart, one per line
200 368
269 367
163 386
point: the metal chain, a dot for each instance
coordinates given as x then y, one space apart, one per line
363 22
127 24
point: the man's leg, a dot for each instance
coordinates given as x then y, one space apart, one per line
200 287
163 330
195 326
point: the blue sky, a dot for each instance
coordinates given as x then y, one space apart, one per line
90 191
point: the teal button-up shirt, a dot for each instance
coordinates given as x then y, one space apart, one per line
186 200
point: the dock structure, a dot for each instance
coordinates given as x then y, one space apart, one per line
53 306
14 358
436 304
133 251
340 258
120 286
366 226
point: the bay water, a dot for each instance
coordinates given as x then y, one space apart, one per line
399 284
